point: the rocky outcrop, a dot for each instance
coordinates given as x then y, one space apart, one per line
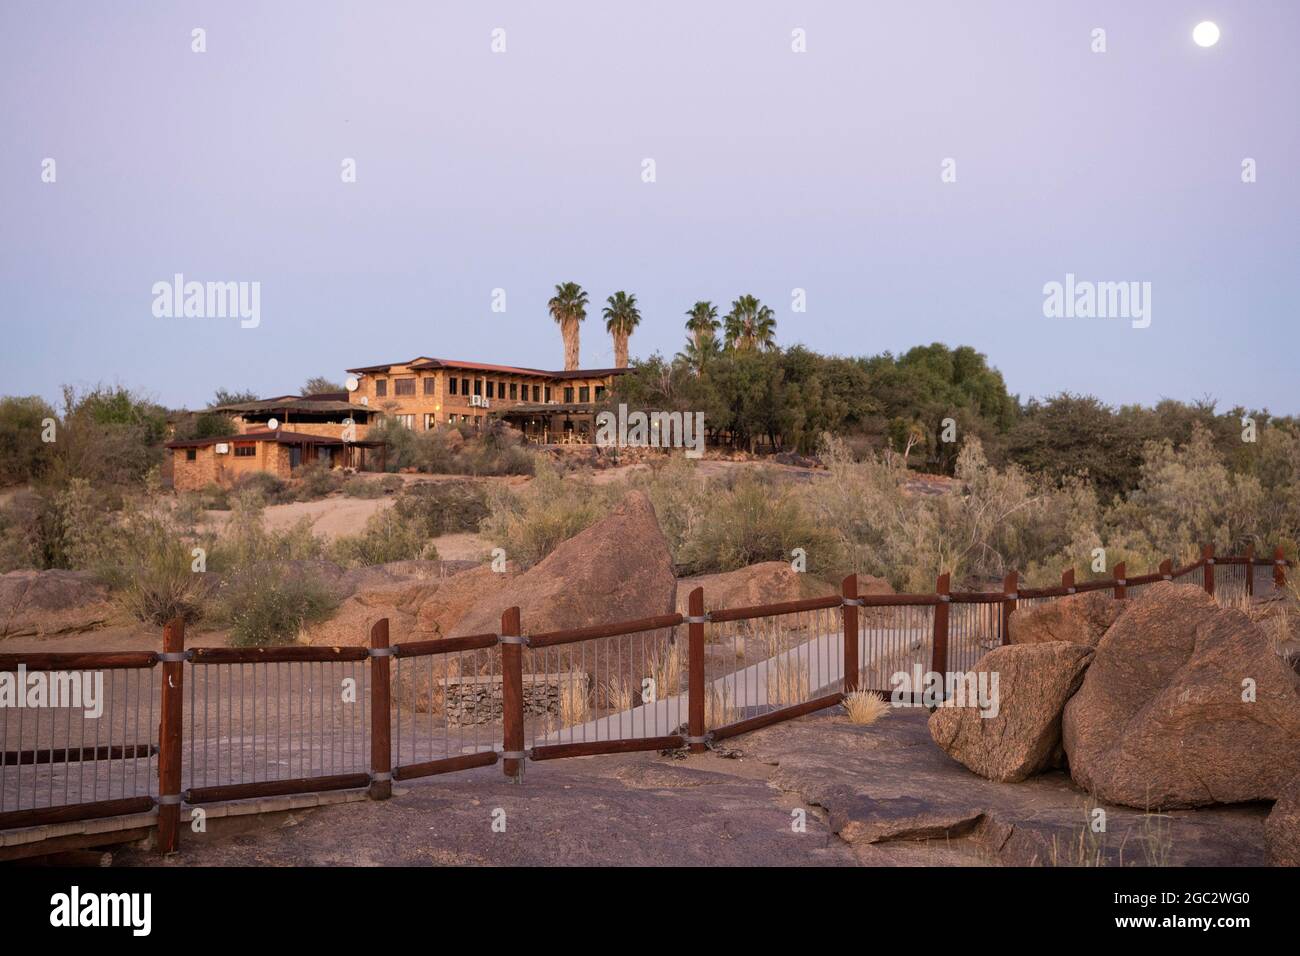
618 569
1282 828
1033 683
442 612
1080 618
49 603
1185 704
769 582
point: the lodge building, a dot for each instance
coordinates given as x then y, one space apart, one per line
281 434
548 407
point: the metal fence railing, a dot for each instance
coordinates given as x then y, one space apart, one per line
162 730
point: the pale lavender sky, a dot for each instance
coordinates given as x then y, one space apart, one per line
775 170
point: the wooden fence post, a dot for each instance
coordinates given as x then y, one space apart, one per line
1250 570
849 591
169 736
1010 584
1067 578
695 669
1167 567
512 694
1207 556
381 720
1279 569
939 652
1121 581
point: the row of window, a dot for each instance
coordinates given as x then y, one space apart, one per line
431 420
515 391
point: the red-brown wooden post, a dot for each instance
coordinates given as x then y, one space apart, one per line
849 592
1279 567
1250 570
1121 582
512 693
1167 567
1010 584
169 736
381 715
1207 558
1067 578
695 669
939 652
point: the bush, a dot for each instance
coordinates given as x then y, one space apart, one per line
271 604
316 481
361 487
530 523
387 537
756 521
245 542
24 455
266 486
443 507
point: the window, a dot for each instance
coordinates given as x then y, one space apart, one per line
490 385
514 392
501 389
245 449
568 394
404 386
381 387
600 392
548 393
191 454
478 386
406 421
429 384
584 393
451 386
430 420
464 386
537 393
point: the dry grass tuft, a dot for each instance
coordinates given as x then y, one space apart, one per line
865 707
574 706
719 708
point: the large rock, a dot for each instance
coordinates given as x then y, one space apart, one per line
1033 683
48 603
1081 618
765 583
1282 828
1160 721
618 569
440 614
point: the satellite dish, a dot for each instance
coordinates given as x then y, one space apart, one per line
273 424
351 384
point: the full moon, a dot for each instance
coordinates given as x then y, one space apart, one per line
1205 33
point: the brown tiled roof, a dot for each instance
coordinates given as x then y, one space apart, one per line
280 435
427 363
293 403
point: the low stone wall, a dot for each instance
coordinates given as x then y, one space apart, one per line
469 701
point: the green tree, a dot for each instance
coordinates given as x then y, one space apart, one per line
621 317
750 325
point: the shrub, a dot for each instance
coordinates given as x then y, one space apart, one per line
266 486
359 487
24 455
443 507
531 522
755 521
270 604
387 537
316 480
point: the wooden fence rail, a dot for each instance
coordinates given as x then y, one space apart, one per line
694 732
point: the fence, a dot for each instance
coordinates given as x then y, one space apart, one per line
240 723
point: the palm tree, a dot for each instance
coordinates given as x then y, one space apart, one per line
750 324
702 321
621 317
568 307
698 354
